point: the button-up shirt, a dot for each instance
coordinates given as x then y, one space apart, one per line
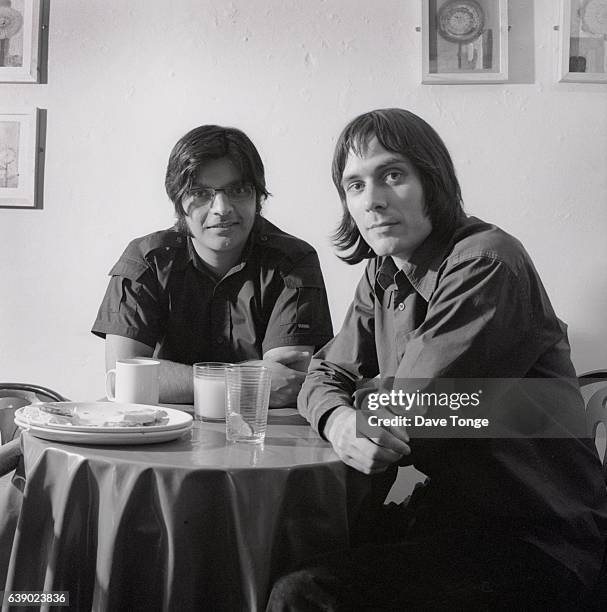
473 307
161 294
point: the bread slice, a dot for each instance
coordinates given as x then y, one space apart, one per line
134 417
137 417
65 409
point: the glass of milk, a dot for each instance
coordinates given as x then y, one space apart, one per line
210 390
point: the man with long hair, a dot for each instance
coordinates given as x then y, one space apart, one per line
515 519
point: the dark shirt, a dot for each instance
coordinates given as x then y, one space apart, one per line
162 295
473 307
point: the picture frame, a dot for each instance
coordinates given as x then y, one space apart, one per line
21 159
583 41
19 41
464 41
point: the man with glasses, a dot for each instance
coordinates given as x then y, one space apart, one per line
223 284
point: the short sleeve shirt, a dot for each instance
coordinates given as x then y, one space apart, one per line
161 294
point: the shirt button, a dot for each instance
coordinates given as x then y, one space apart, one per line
401 306
219 340
264 238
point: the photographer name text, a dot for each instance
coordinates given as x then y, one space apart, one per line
421 421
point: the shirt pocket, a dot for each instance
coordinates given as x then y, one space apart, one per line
303 303
129 268
126 291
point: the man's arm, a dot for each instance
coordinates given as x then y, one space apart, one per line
299 322
289 365
347 359
131 319
326 399
480 323
175 379
368 454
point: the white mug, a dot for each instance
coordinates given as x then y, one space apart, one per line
135 381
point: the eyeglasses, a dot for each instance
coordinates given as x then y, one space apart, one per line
202 196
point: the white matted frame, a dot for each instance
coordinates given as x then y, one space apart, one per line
19 41
583 41
464 41
19 157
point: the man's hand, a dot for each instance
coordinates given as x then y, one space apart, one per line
288 366
286 384
296 357
368 455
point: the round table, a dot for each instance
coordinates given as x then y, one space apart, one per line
192 524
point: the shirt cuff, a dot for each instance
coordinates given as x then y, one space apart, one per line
322 422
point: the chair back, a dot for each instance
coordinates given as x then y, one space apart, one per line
17 395
594 390
596 423
589 378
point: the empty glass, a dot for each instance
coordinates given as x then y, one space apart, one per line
247 400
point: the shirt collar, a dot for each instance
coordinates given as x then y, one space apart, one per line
422 268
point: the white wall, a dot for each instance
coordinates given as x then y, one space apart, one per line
127 78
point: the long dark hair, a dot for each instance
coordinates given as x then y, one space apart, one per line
402 132
203 145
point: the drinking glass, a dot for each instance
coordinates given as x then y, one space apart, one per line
247 400
210 390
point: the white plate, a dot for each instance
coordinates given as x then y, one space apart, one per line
98 437
107 412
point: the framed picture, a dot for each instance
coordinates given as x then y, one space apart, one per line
465 41
21 155
583 41
19 41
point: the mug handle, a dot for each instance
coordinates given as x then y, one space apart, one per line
108 387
